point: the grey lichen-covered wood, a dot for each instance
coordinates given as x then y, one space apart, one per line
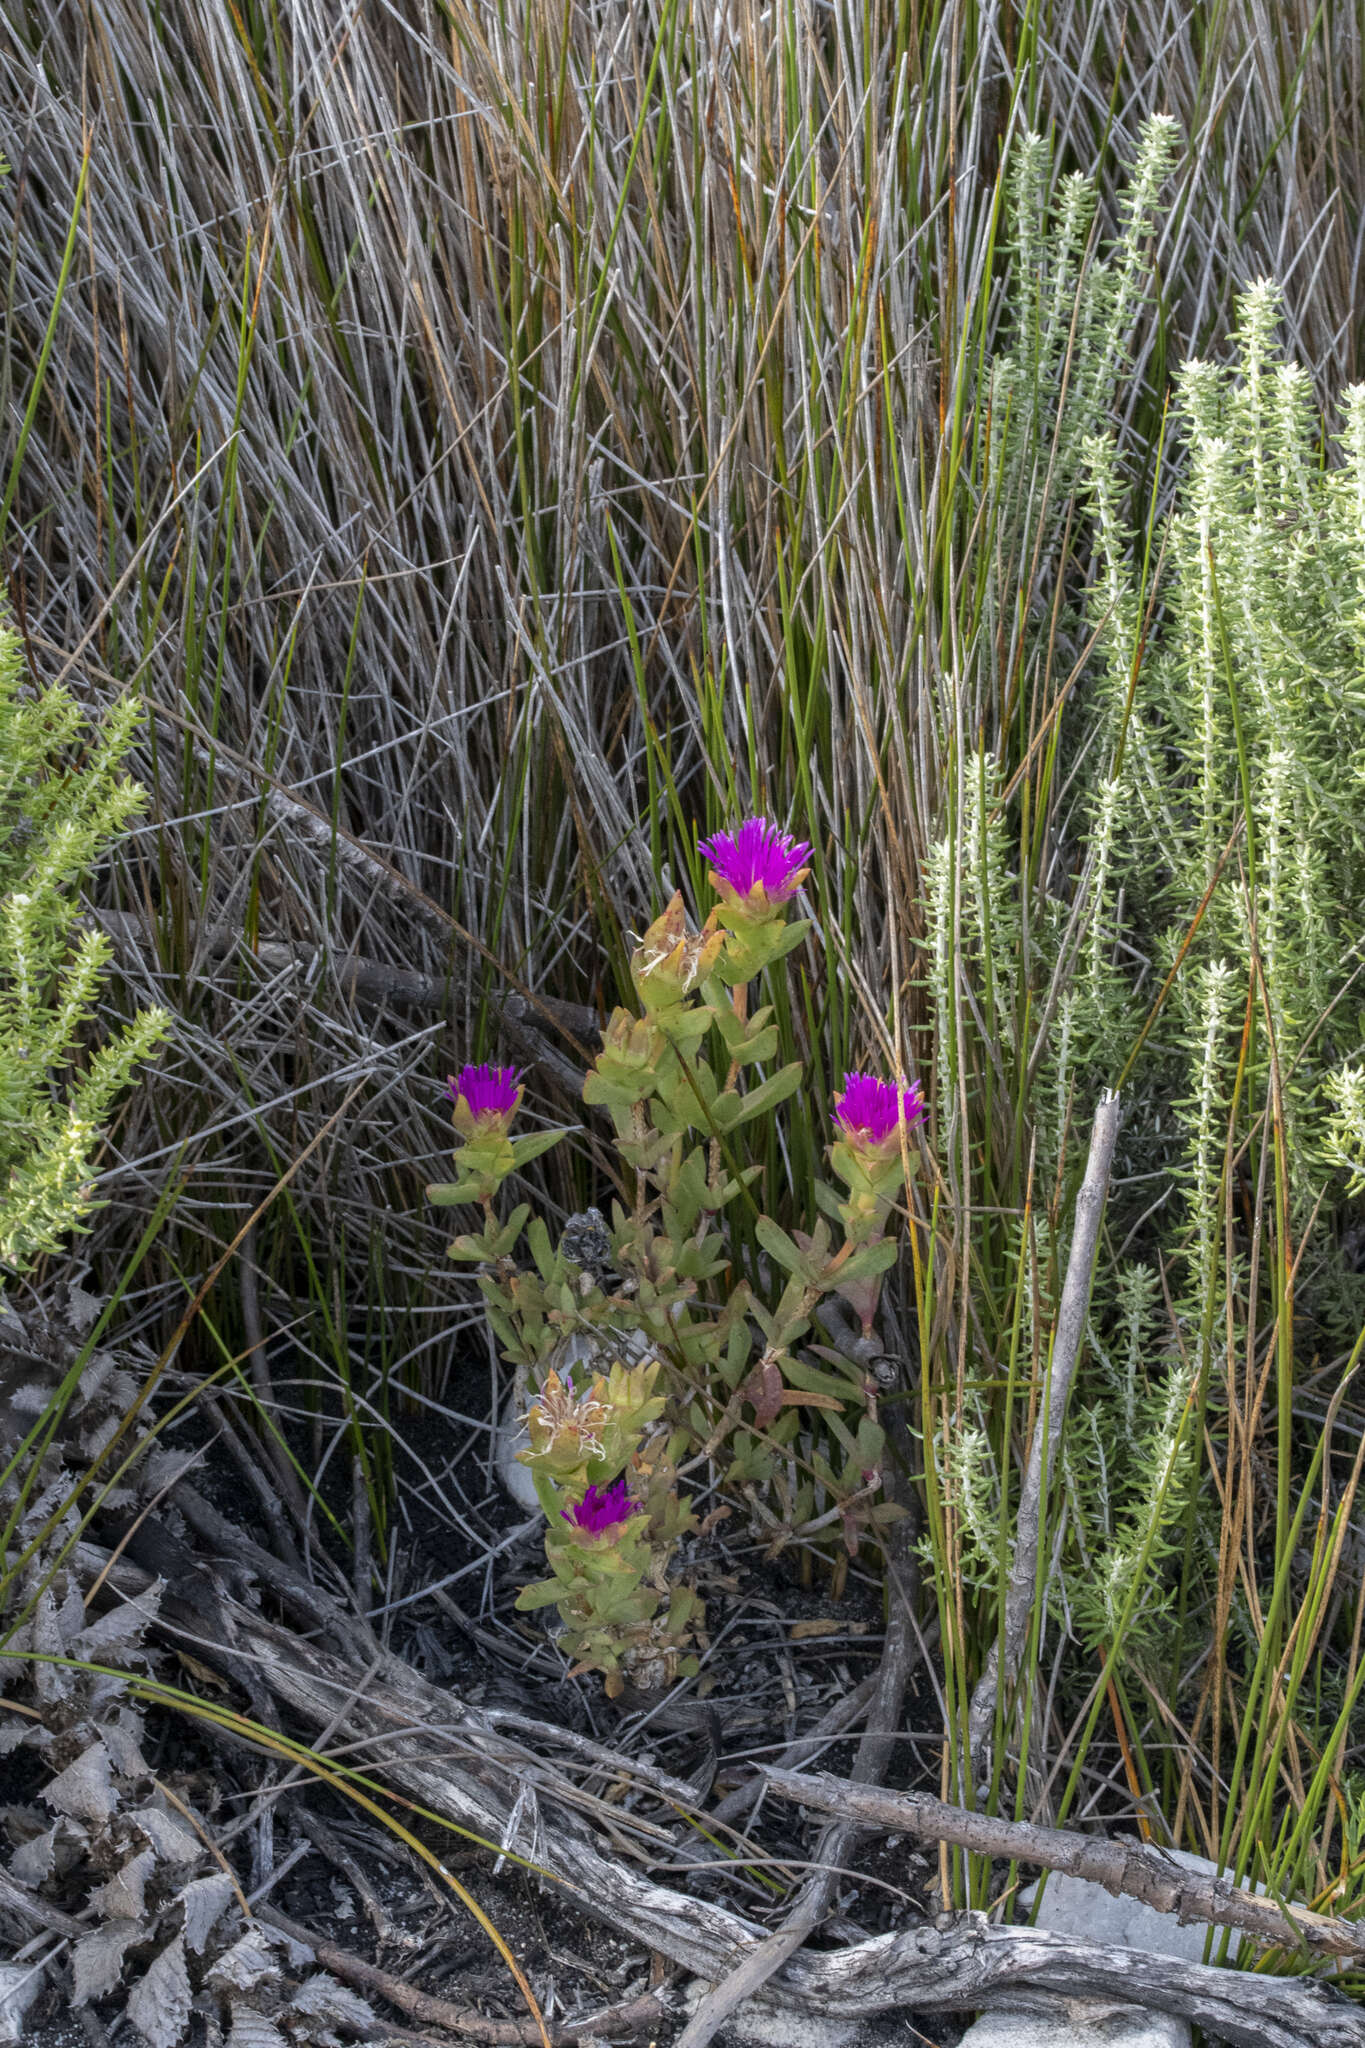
1129 1867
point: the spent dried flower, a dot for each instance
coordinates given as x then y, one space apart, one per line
564 1422
670 961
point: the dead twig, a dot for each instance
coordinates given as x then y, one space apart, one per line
379 982
1136 1871
258 1366
845 1713
306 1602
26 1905
1042 1463
330 1845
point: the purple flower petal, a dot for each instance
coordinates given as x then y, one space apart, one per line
491 1092
601 1508
757 855
870 1110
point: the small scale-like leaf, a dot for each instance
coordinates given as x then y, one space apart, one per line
812 1381
296 1953
121 1630
779 1246
123 1897
248 1963
82 1307
167 1836
540 1248
85 1788
102 1693
46 1636
466 1247
93 1440
159 2003
764 1390
323 1998
71 1613
771 1092
533 1143
46 1505
31 1398
253 2030
870 1258
543 1594
205 1900
97 1960
32 1860
504 1239
123 1739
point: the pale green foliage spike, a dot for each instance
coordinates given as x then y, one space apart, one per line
1346 1126
1238 745
56 819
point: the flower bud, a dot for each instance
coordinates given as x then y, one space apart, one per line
669 961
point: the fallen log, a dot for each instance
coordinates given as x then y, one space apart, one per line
434 1749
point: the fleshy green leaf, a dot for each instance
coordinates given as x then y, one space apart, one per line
869 1259
533 1143
731 1110
779 1246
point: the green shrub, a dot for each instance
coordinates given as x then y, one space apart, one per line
62 800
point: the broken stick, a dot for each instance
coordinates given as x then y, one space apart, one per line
1066 1350
1128 1867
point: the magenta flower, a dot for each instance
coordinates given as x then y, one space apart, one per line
601 1508
757 856
870 1111
490 1095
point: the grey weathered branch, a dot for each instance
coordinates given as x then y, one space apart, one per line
380 982
1128 1867
26 1905
1047 1432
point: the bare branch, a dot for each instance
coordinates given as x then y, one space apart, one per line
1047 1434
1121 1867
